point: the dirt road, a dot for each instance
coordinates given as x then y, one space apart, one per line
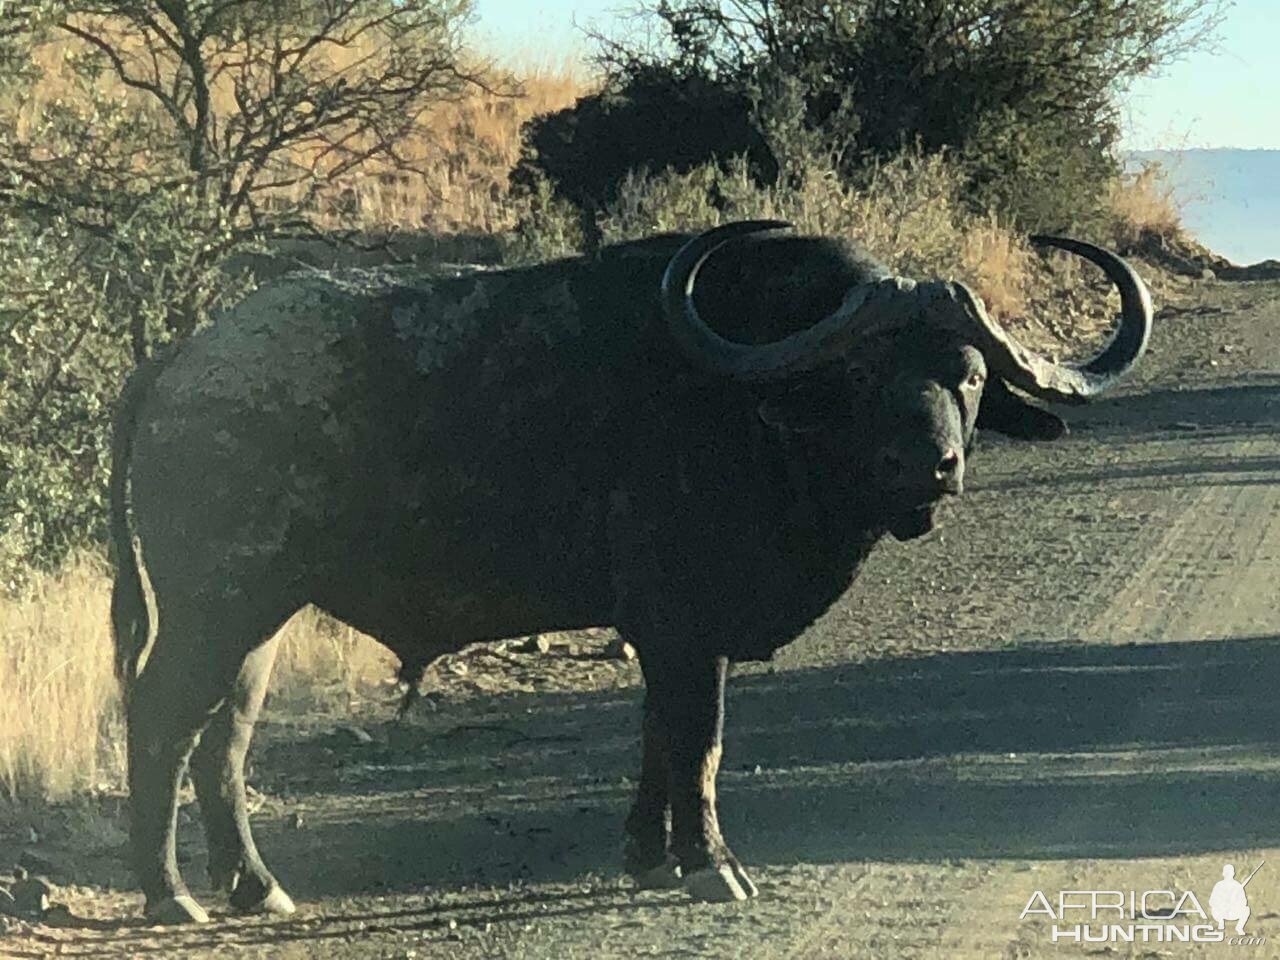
1071 686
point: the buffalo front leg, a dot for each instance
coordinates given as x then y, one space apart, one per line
648 827
217 772
688 697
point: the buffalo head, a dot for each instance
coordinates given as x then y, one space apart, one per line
895 377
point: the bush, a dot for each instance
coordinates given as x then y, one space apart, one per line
655 122
1021 92
909 215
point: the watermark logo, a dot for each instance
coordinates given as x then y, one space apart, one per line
1149 916
1228 900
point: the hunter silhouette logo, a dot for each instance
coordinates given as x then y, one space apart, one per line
1146 916
1228 900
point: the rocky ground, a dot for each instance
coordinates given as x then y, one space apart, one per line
1070 685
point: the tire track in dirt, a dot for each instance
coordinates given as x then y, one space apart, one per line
1212 574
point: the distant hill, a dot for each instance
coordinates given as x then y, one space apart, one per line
1230 198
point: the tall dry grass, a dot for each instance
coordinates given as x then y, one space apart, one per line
459 161
61 728
1142 204
476 141
909 214
327 665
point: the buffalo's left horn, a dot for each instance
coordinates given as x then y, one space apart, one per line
1068 382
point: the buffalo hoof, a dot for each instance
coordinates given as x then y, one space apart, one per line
176 910
276 902
665 876
719 884
744 881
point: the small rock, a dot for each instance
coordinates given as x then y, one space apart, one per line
355 734
458 668
295 821
619 649
537 643
1226 348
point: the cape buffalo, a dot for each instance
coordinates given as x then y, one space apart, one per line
696 440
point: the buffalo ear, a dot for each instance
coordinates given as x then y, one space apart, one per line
1005 412
803 408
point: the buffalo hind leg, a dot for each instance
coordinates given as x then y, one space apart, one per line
170 703
645 856
689 699
195 660
217 771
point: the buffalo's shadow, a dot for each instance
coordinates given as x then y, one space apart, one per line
1203 418
1245 404
1031 752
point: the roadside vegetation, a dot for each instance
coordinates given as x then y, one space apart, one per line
146 146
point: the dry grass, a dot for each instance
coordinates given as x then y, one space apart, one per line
908 215
327 664
61 731
1142 204
998 263
460 160
468 148
479 140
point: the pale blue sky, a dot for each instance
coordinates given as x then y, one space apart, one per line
1229 97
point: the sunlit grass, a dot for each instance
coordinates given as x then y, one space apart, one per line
457 180
61 729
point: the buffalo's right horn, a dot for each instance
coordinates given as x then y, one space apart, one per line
806 350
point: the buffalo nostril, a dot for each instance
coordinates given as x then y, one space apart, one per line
947 466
